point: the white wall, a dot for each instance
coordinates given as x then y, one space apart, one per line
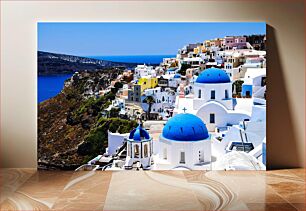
206 94
191 149
222 117
115 140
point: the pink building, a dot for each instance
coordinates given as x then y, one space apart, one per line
235 41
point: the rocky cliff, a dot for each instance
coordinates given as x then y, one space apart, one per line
52 63
71 127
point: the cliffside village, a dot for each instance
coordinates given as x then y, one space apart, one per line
204 109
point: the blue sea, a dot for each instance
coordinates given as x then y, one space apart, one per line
50 85
147 59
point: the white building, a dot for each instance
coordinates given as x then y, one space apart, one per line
169 62
234 73
193 61
173 79
184 143
212 100
164 99
249 134
143 71
254 62
115 141
254 83
238 161
139 148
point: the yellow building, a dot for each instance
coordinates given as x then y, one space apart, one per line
199 49
147 83
203 49
207 43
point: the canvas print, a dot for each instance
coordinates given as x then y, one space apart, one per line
151 96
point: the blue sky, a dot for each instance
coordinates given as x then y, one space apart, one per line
105 39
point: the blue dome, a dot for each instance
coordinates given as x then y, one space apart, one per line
139 134
185 127
213 76
177 76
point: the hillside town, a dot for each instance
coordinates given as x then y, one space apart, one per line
204 109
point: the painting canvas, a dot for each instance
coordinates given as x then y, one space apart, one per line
151 96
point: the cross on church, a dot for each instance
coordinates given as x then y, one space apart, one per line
184 109
139 121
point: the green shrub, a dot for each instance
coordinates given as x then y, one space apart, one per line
183 69
238 85
97 140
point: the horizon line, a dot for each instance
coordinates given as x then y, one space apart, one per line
162 54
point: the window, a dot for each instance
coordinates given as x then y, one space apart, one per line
132 98
182 157
212 118
165 153
213 94
136 151
226 94
199 95
201 156
145 150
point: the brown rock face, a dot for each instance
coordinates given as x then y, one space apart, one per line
70 120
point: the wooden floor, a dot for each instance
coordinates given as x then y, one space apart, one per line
28 189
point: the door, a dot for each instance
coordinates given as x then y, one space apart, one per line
226 94
182 157
248 94
211 118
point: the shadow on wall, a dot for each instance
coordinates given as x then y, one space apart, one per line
281 140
